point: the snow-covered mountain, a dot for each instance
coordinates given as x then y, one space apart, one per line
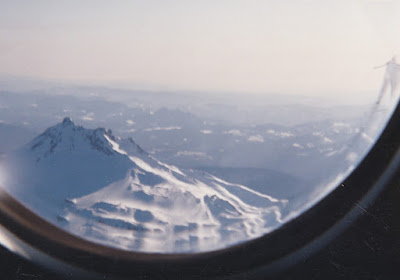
109 190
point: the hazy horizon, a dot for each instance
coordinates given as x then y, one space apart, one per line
26 85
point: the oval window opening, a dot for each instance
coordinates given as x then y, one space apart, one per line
187 128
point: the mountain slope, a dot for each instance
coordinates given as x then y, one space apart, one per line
109 190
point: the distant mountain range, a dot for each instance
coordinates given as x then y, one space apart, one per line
109 190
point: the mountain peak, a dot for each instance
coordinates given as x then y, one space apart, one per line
66 137
67 121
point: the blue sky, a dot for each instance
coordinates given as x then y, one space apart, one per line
259 46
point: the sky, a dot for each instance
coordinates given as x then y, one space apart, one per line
308 47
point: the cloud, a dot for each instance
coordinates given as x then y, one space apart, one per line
256 138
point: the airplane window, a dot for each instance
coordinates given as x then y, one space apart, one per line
189 127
